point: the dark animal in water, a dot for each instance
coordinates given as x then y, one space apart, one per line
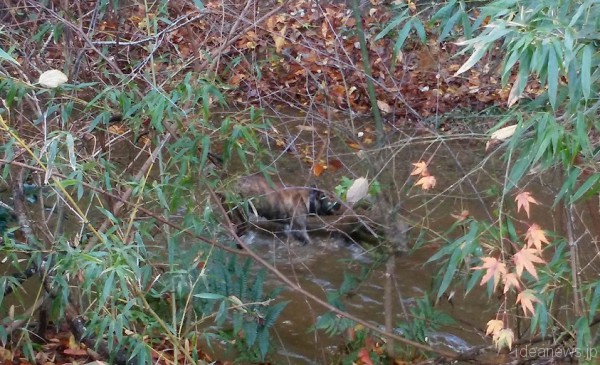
277 202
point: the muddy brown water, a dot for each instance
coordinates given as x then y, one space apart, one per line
464 172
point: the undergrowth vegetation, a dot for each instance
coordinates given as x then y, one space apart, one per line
461 138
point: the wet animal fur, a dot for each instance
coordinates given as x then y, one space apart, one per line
274 201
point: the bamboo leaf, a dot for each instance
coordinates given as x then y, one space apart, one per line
517 172
480 51
5 56
552 77
209 296
584 335
420 30
71 151
108 288
391 25
589 186
586 71
402 36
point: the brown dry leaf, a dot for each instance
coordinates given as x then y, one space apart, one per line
335 164
462 216
504 338
383 106
306 128
271 23
318 169
523 199
500 135
75 352
426 182
505 133
525 259
494 326
512 96
279 39
527 297
324 29
5 355
354 145
453 68
363 355
535 236
420 169
495 269
511 280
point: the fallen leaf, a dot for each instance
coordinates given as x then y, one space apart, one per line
306 128
505 133
354 145
318 169
52 79
335 164
461 217
383 106
513 97
75 352
358 190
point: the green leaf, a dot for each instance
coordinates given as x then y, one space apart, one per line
595 302
108 289
5 56
449 272
209 296
579 12
444 11
589 186
449 25
552 77
263 342
402 36
474 280
586 71
250 332
584 336
221 313
392 25
68 182
273 313
517 172
420 30
480 51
